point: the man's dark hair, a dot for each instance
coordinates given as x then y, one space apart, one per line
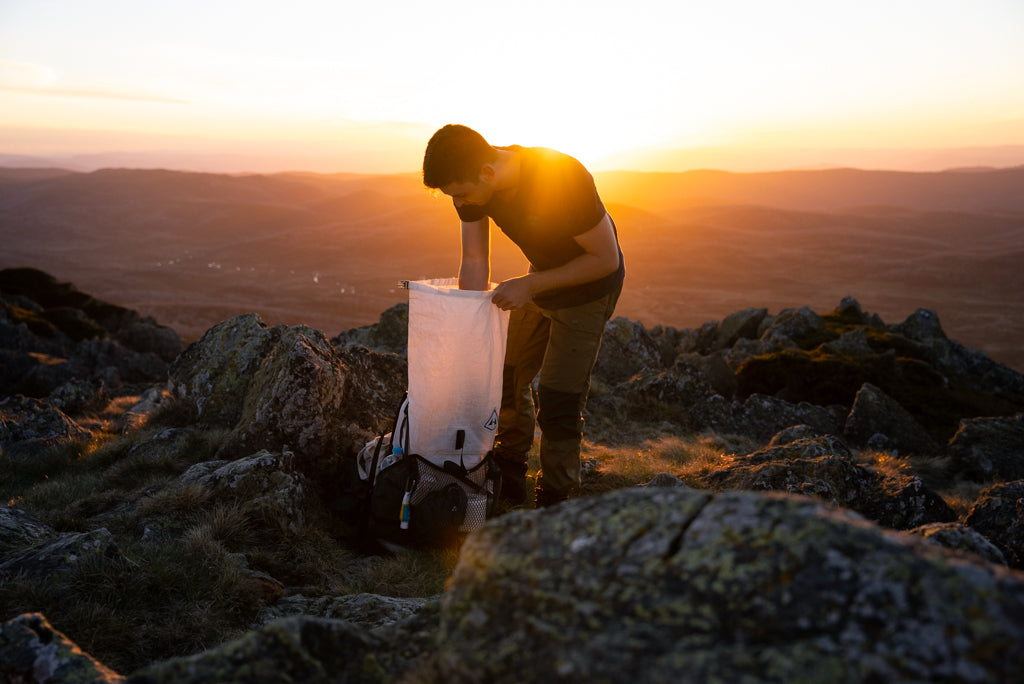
455 154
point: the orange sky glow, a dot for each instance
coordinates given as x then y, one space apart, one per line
326 86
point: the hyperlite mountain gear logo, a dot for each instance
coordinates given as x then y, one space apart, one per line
492 422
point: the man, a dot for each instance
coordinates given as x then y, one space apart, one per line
546 202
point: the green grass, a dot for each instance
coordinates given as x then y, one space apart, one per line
191 584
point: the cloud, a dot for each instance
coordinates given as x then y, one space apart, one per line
23 75
93 94
39 79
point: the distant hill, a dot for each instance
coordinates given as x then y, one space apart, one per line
328 250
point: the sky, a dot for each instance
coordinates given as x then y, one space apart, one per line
335 85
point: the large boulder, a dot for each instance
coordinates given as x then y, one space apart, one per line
674 584
987 449
287 388
626 349
31 650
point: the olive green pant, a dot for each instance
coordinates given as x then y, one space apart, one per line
561 345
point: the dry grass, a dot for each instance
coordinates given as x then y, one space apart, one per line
688 458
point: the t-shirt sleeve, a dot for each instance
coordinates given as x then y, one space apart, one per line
586 203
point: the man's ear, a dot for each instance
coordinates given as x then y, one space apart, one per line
487 173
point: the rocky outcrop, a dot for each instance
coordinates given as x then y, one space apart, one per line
902 388
679 584
288 389
33 651
824 467
52 334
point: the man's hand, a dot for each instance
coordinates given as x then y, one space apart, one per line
514 293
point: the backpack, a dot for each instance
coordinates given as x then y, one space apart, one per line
416 502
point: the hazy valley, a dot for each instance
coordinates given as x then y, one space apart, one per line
329 250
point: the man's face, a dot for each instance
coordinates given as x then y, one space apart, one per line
475 194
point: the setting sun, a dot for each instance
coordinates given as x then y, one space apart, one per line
336 86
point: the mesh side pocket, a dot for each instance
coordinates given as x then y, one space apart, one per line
478 484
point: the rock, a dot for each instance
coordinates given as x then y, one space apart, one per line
960 537
28 426
56 555
710 370
286 388
795 327
295 649
793 433
823 467
152 400
369 611
664 480
853 343
987 449
76 396
739 325
626 349
389 335
698 340
875 413
674 584
266 486
762 416
998 514
922 325
19 529
31 650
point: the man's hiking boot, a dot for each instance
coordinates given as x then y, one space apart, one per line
549 497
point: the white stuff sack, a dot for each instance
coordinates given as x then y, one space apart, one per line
456 358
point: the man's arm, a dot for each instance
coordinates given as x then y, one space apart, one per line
600 258
475 268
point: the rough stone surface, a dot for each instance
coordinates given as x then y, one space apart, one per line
19 529
389 334
31 650
823 467
960 537
626 349
999 515
370 611
266 485
288 388
673 584
986 449
874 413
295 649
738 325
28 426
59 554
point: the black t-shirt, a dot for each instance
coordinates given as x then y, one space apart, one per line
554 201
